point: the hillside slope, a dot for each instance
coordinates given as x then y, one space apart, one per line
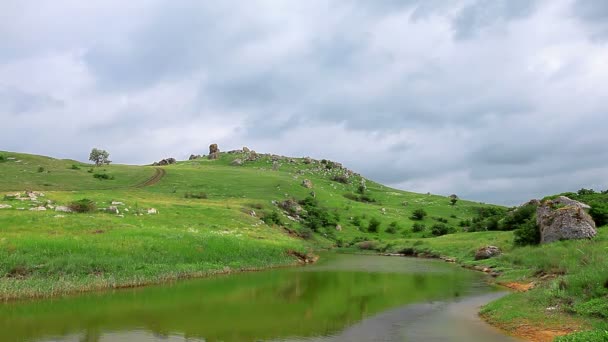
202 216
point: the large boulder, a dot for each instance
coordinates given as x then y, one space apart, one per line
165 162
214 151
307 183
194 156
564 219
237 162
487 252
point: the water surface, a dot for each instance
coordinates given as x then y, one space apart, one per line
343 298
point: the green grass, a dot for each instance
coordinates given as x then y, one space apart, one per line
46 253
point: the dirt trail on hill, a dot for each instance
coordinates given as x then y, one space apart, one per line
158 175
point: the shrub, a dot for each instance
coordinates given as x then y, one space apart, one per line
103 176
75 167
465 223
599 213
361 188
518 217
418 227
198 195
40 169
84 205
527 233
272 218
360 198
391 229
357 221
90 170
440 219
2 158
340 178
441 229
418 214
315 217
374 225
305 233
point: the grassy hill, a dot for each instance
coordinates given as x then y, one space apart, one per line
200 217
211 217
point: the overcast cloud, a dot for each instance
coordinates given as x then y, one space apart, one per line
494 100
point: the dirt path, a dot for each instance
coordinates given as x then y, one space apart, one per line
158 175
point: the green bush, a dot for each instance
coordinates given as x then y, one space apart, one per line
528 233
418 214
40 169
272 218
315 216
599 213
341 179
305 233
2 158
374 225
365 198
418 227
393 227
75 167
197 195
84 205
440 219
357 221
517 217
103 176
441 229
585 336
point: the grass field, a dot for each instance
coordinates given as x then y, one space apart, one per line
209 216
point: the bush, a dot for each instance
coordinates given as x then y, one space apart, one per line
392 228
272 218
315 217
361 189
2 158
75 167
197 195
305 233
40 169
440 219
441 229
418 214
360 198
418 227
599 213
527 233
84 205
103 176
357 221
374 225
340 178
518 217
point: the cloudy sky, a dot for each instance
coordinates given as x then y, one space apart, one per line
494 100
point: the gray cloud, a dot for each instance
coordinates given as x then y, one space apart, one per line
497 101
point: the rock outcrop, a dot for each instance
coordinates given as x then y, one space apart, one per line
564 219
164 162
237 162
194 156
214 151
307 183
487 252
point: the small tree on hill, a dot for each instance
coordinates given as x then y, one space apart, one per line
99 157
453 199
418 214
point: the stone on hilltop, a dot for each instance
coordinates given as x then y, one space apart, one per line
214 151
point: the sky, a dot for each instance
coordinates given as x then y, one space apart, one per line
498 101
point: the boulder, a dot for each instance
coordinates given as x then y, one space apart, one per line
5 206
237 162
38 209
560 221
63 209
275 165
307 183
252 156
117 203
487 252
291 206
194 156
246 149
214 151
165 162
113 210
152 211
338 227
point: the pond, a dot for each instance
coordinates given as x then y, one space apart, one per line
342 298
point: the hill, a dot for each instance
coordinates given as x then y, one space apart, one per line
240 211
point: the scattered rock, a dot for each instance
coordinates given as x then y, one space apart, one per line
275 165
5 206
117 203
560 221
487 252
165 162
152 211
237 162
246 149
214 151
338 227
194 156
291 206
59 216
38 209
252 156
307 160
113 210
252 213
63 209
383 210
307 183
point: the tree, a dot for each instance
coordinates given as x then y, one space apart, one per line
373 226
99 157
453 199
418 214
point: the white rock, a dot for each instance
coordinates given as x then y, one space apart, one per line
62 208
5 206
117 203
59 216
38 209
152 211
